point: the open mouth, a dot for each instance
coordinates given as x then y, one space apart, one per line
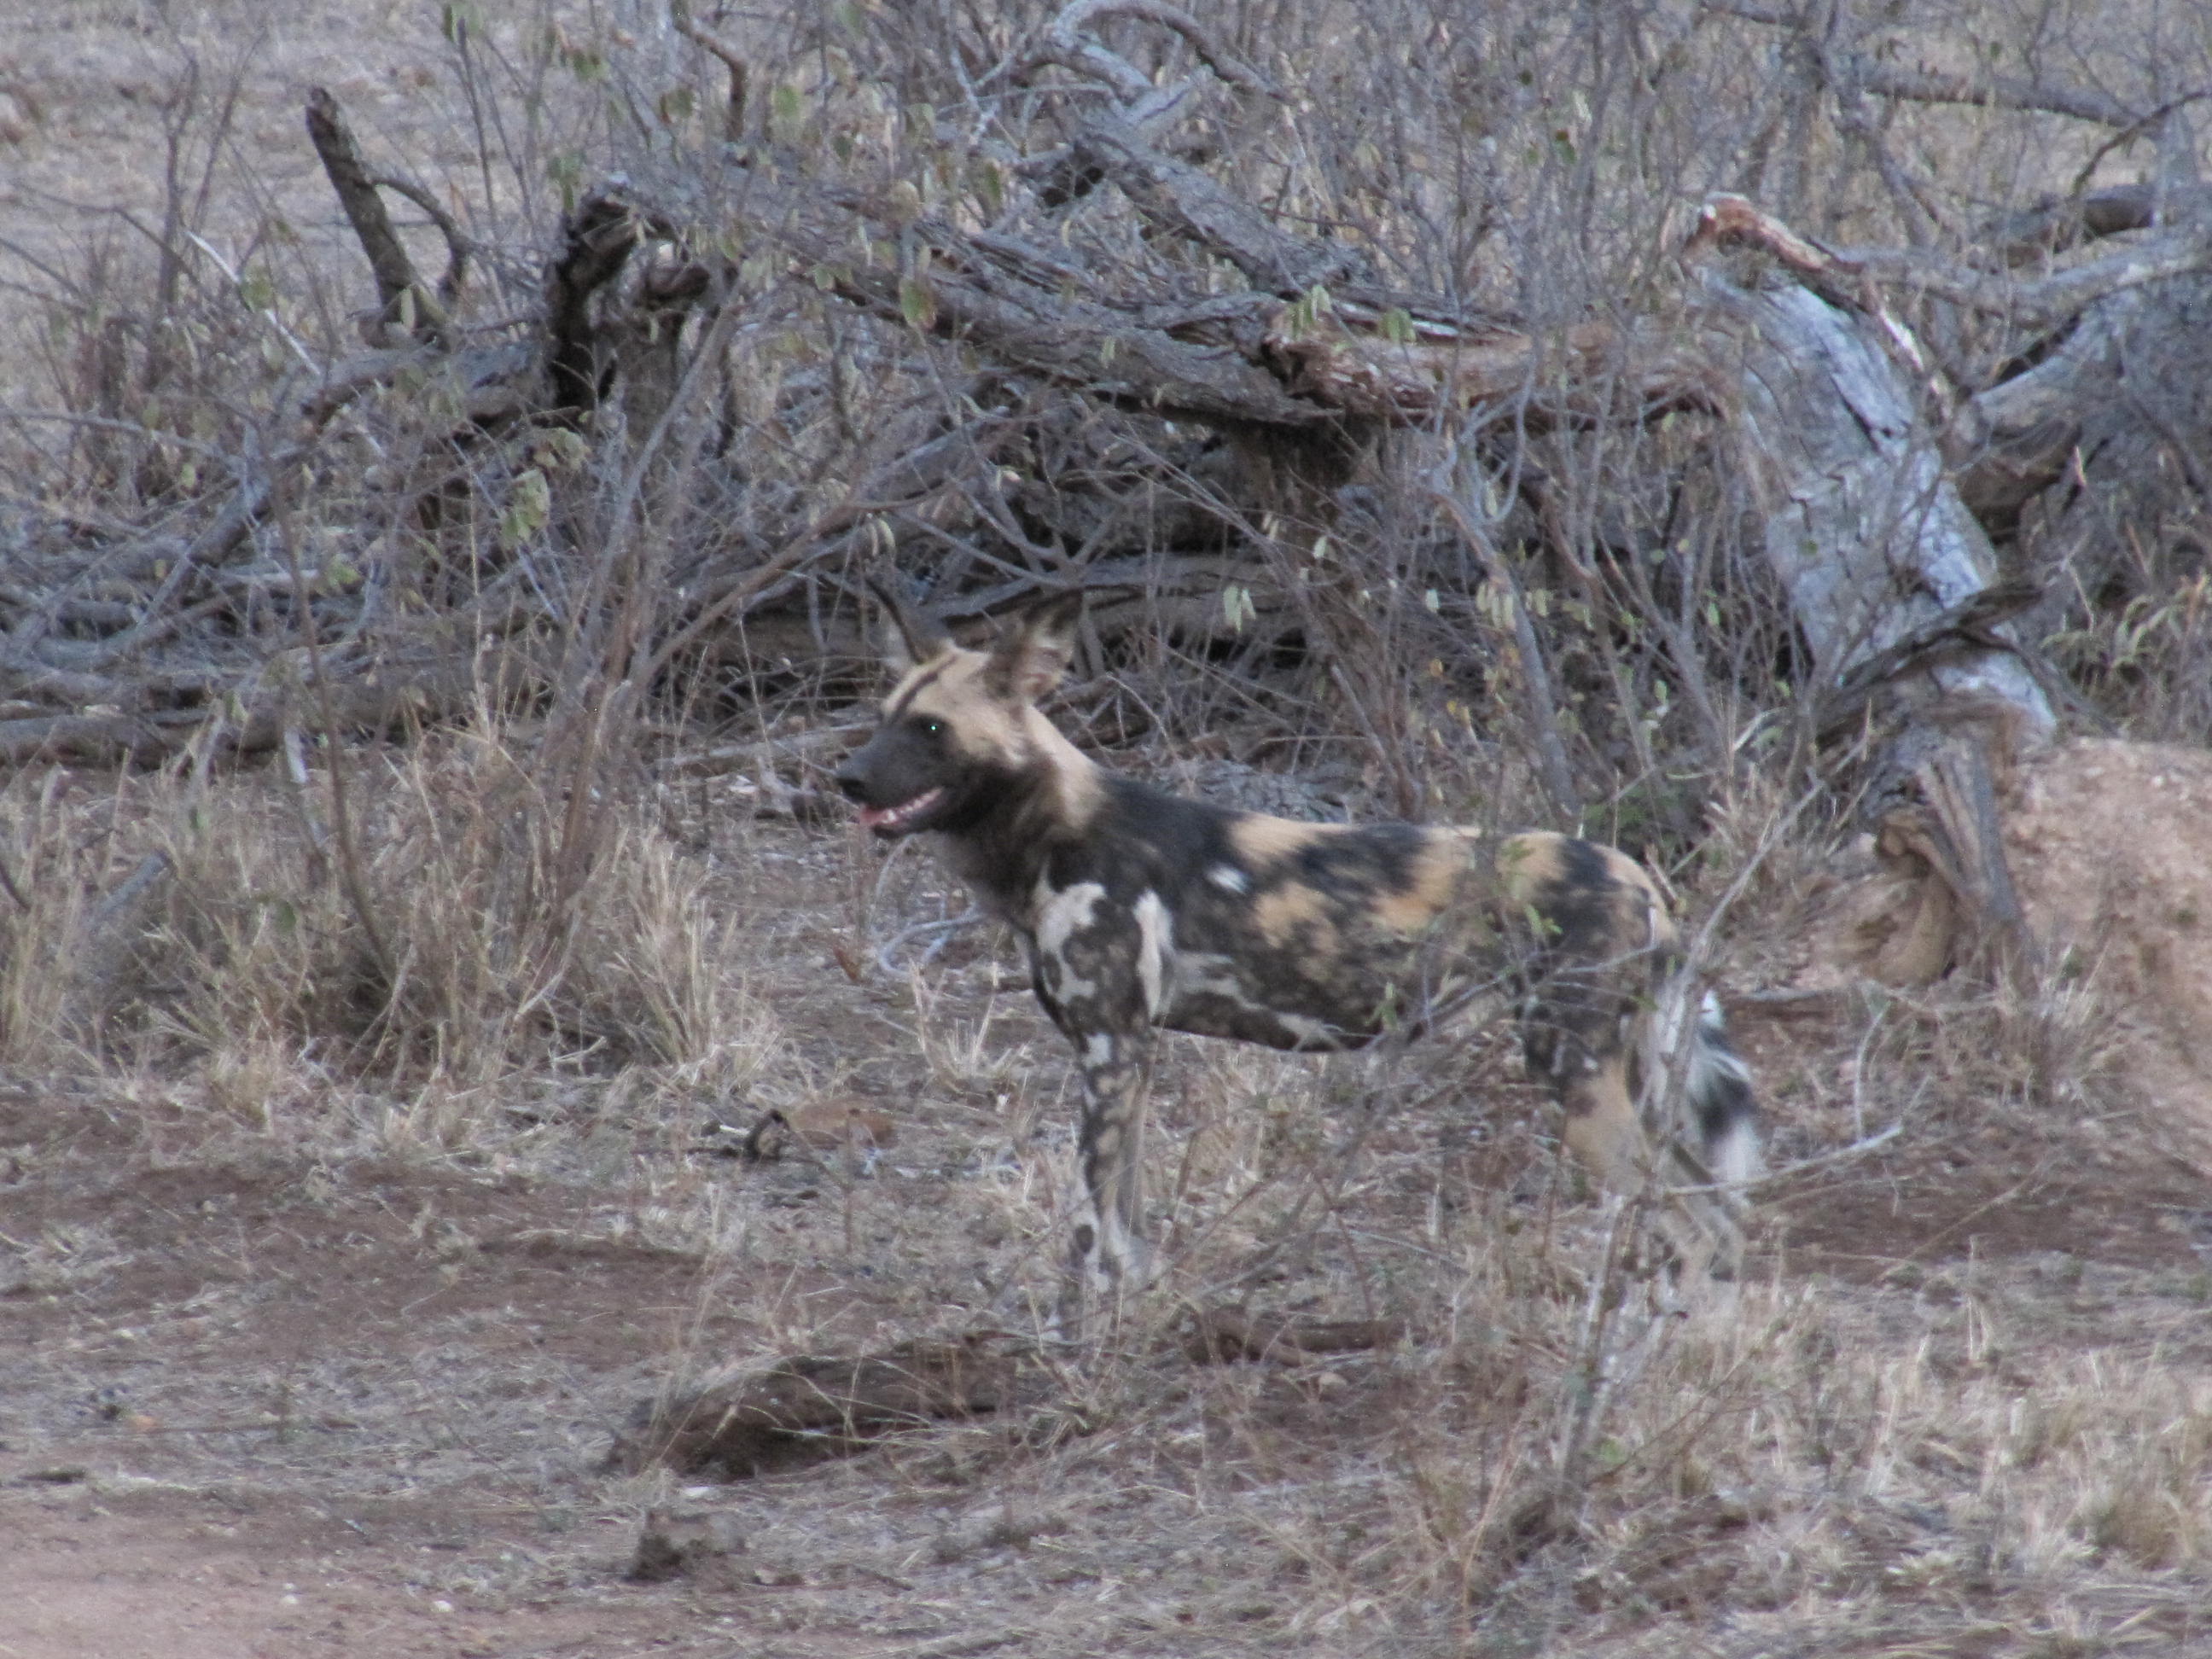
891 820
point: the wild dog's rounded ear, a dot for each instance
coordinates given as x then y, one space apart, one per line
914 636
1035 648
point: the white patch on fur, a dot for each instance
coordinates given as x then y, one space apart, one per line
1118 1262
1155 951
1229 878
1066 989
1209 973
1314 1033
1737 1160
1098 1048
1062 915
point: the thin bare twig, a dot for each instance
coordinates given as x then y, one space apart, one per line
8 885
349 864
1924 86
459 246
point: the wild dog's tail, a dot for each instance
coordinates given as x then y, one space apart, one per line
1721 1104
1708 1144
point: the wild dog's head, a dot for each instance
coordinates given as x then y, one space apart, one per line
961 738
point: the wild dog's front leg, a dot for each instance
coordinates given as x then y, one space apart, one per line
1109 1253
1100 966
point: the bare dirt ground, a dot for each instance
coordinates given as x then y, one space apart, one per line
94 89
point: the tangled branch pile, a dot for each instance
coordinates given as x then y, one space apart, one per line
1380 364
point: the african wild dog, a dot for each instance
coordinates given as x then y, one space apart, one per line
1140 909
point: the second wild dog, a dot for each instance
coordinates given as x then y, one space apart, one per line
1139 908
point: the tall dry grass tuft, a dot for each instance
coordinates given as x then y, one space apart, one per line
51 844
451 957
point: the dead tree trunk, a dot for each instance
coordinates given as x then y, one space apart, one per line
1880 559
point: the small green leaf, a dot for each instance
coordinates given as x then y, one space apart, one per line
562 449
917 304
786 110
566 169
530 504
903 202
1398 325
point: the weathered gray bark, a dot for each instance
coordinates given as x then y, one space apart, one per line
2014 439
1863 529
1871 541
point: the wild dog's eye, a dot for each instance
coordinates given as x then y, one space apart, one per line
933 728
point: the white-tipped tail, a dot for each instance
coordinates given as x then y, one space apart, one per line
1721 1096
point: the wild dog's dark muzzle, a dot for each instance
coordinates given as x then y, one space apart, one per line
890 785
853 781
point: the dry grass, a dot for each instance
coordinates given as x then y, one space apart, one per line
450 963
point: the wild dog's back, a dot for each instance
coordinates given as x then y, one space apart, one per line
1296 935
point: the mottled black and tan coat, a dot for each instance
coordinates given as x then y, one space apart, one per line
1141 909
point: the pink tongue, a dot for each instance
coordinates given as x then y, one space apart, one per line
872 815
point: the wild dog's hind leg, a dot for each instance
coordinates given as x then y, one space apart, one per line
1616 1059
1609 1025
1606 1133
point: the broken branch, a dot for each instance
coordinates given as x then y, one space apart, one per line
403 295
